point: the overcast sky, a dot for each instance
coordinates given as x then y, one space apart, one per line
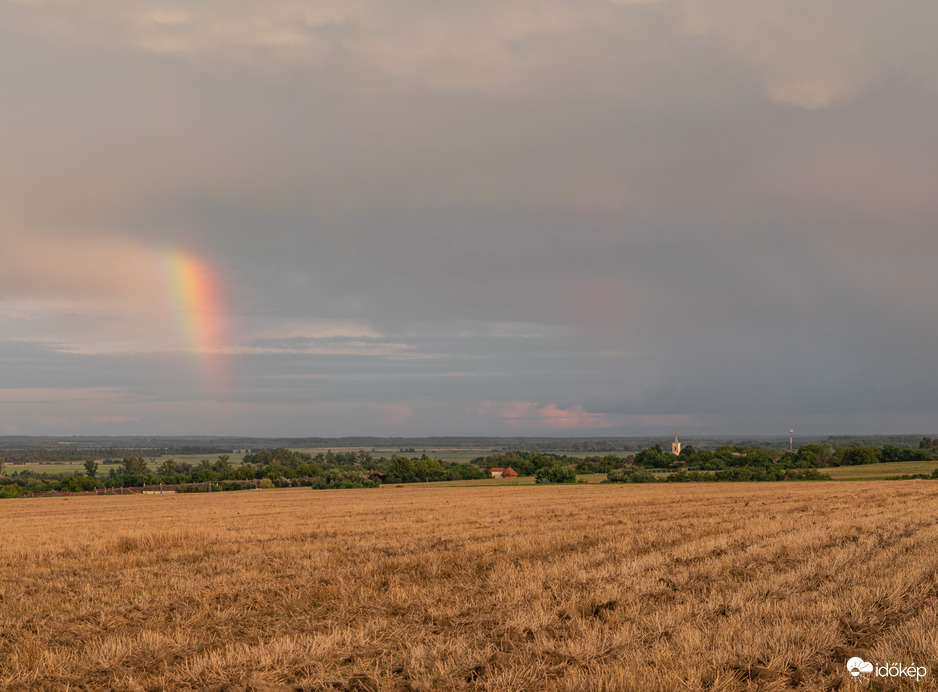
522 217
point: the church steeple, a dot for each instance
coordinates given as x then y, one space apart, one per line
676 446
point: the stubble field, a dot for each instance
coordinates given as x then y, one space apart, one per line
768 586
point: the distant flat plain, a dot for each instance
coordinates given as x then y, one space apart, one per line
462 455
738 586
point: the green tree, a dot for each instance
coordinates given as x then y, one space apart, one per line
861 455
134 466
630 474
91 469
401 470
76 484
556 473
339 478
467 472
223 465
204 474
169 467
587 466
812 455
261 458
308 470
654 457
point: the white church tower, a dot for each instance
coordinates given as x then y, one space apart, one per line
676 446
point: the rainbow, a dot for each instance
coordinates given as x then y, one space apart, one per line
196 301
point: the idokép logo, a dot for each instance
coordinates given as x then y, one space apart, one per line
856 666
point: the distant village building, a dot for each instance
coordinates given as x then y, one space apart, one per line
676 446
504 473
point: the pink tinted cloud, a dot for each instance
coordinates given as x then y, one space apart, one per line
77 265
53 422
521 413
394 414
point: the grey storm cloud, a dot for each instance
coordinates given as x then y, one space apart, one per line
510 217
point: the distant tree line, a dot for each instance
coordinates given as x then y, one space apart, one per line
277 467
66 453
353 468
60 454
752 463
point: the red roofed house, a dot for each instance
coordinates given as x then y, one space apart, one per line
504 473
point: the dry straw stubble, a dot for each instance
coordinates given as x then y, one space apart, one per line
727 587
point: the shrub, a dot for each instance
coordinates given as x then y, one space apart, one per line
748 473
860 455
338 479
630 474
196 488
77 484
806 475
556 473
10 490
690 477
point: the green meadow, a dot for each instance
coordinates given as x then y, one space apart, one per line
871 472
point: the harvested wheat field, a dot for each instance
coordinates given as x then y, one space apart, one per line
722 587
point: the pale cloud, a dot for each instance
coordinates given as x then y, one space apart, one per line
44 395
814 54
803 53
162 16
484 47
76 263
281 31
70 423
814 89
394 415
526 414
327 346
97 292
319 329
321 337
286 31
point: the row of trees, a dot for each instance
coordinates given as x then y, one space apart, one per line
524 463
279 467
805 457
360 469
